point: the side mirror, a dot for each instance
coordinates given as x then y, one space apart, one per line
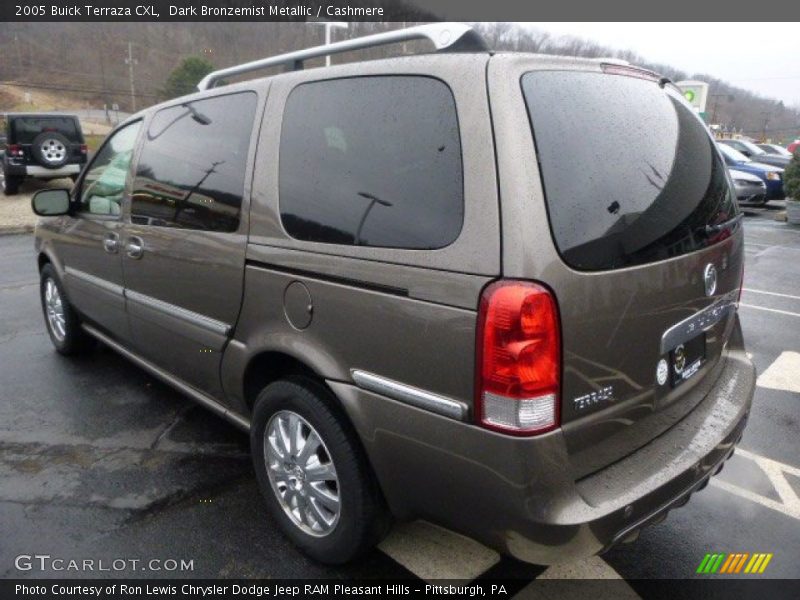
747 153
49 203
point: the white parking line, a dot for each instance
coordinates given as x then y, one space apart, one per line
752 291
783 374
593 568
772 310
776 472
432 552
770 246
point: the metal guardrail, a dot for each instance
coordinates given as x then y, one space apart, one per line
453 37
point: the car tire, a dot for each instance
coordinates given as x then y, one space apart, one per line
10 185
50 149
62 322
302 490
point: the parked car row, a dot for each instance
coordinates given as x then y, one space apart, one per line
743 169
758 154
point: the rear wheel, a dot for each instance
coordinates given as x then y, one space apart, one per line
63 324
313 474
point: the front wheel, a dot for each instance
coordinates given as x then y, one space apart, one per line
313 474
63 324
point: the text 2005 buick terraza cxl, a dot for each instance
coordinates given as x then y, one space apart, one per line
494 291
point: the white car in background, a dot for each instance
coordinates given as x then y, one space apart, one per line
750 189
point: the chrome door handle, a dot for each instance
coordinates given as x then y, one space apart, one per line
135 247
111 243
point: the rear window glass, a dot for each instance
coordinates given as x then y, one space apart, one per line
25 129
372 161
630 173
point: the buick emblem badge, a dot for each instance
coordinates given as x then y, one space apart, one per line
710 279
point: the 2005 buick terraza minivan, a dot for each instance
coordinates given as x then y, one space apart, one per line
494 291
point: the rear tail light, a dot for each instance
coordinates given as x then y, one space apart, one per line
518 366
15 150
84 148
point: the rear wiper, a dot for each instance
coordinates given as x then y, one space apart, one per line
711 229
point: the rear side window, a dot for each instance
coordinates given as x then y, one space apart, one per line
192 166
372 161
630 173
26 129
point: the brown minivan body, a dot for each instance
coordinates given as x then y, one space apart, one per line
392 333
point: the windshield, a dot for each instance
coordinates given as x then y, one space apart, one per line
629 171
752 147
731 155
779 150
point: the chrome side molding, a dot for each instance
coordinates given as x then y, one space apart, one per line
182 313
185 314
113 288
407 394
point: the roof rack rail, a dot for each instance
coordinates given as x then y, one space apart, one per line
612 61
453 37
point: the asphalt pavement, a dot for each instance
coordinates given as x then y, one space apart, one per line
100 461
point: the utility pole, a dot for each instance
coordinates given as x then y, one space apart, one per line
19 56
130 61
766 116
329 25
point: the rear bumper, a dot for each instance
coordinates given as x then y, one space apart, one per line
43 173
516 495
13 170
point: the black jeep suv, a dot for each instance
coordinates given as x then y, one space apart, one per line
42 146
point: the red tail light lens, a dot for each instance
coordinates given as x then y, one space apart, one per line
518 358
15 150
84 148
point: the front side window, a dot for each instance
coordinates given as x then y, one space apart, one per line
372 161
191 170
103 185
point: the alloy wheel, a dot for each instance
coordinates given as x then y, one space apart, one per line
302 473
54 309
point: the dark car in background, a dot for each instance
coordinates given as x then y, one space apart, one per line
770 175
753 152
750 189
775 149
40 146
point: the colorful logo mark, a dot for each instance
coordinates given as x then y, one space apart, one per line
740 562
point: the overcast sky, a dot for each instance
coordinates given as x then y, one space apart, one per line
763 57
